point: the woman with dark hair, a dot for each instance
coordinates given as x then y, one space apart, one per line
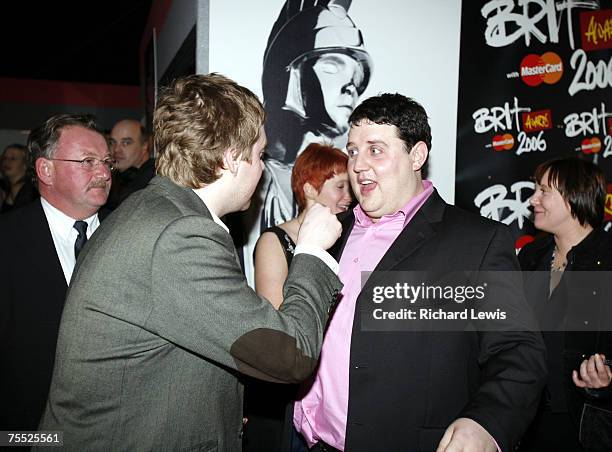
319 176
576 409
19 188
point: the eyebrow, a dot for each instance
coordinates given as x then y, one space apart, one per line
369 142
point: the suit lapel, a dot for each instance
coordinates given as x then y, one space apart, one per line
414 235
42 250
347 220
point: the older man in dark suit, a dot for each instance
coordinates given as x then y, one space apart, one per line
159 320
418 389
39 244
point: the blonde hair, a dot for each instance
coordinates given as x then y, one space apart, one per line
196 120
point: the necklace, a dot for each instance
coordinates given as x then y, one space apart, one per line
560 267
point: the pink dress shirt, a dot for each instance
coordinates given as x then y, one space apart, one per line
321 414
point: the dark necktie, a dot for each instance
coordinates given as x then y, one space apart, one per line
81 227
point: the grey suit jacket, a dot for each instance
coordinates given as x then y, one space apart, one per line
158 323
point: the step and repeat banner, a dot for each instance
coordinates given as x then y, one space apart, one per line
535 83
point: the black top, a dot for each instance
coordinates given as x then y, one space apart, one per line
574 317
286 242
26 194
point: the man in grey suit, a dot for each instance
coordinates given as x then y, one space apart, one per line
159 323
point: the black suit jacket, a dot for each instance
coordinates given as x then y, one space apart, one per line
405 388
33 290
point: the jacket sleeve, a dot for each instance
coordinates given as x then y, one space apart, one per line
201 302
513 357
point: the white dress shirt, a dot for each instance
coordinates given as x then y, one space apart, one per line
64 235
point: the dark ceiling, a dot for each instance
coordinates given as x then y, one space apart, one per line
95 42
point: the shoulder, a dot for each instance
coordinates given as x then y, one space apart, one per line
269 241
531 254
471 225
595 251
154 215
268 237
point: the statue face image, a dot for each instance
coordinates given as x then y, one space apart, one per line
339 75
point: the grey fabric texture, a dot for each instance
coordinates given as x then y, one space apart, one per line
158 321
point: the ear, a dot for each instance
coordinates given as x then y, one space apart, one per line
44 171
230 161
419 155
309 191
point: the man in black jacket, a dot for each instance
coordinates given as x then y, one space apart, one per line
411 388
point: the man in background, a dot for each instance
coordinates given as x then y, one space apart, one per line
40 243
130 146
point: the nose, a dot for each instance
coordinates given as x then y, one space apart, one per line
350 88
360 163
534 199
102 171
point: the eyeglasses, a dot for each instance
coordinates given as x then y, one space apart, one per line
90 163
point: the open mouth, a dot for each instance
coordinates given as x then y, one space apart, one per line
367 185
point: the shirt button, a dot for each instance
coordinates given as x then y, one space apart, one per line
307 411
356 260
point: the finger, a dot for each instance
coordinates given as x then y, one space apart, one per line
602 374
454 446
591 369
577 381
446 439
600 377
584 373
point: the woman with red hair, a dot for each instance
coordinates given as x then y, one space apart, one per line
319 176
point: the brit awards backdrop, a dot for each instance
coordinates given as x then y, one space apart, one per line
535 83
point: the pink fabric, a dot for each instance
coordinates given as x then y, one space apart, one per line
321 414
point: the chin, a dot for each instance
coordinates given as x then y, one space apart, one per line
342 128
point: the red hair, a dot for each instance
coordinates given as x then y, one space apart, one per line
316 164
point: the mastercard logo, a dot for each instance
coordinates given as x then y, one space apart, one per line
590 145
503 142
547 68
522 241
